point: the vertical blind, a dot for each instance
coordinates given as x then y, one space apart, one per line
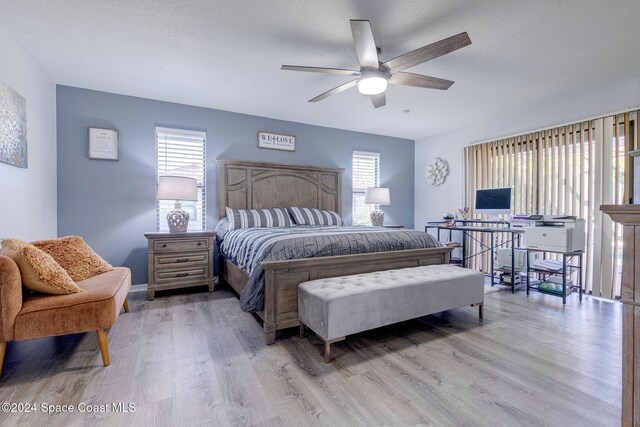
567 170
182 152
366 173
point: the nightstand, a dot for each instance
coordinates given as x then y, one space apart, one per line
180 260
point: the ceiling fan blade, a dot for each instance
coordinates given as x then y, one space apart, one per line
418 80
379 100
320 70
365 44
429 52
335 90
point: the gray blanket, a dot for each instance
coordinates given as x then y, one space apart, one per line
247 248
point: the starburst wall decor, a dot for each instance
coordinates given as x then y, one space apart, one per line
436 172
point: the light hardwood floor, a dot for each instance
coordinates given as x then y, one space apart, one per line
193 358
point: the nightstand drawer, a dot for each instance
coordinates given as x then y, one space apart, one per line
182 275
180 245
180 260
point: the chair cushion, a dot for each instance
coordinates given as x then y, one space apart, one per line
40 272
97 307
75 256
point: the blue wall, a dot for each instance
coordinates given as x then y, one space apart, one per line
112 204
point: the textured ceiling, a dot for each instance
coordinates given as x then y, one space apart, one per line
227 54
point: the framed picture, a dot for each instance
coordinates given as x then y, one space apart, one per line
13 127
276 141
103 144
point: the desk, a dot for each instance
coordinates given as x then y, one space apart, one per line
492 229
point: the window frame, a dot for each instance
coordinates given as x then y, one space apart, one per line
161 225
360 191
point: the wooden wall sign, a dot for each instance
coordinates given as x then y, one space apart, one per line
276 141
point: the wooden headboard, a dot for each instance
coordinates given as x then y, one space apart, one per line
256 185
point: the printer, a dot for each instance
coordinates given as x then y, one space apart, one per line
556 234
503 259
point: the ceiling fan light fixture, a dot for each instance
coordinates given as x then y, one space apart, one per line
373 76
372 85
372 82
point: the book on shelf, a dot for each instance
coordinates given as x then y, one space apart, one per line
548 264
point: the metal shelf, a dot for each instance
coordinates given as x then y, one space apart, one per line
567 269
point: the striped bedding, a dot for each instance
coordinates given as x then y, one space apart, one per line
247 248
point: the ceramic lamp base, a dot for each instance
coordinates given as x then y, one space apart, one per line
377 218
178 220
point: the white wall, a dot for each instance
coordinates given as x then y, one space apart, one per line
28 207
431 202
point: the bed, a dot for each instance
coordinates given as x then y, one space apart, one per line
257 185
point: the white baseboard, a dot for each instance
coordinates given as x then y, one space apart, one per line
143 286
138 288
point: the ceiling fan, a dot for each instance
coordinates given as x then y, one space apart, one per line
374 75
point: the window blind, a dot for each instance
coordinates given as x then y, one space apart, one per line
366 173
182 152
567 170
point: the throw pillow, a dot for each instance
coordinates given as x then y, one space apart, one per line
248 218
39 271
75 256
306 216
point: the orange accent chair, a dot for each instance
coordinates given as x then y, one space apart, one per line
27 316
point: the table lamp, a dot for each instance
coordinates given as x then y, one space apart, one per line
177 188
377 196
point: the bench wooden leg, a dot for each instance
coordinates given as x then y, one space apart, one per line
3 351
327 348
104 346
479 309
126 306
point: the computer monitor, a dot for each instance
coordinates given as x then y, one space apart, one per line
493 201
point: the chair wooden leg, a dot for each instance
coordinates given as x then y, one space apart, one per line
3 351
480 313
126 305
301 330
104 346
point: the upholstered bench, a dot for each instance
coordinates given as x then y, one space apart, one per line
339 306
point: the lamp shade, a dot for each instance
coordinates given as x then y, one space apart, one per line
177 188
377 196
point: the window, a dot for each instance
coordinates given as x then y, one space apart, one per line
366 173
182 152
